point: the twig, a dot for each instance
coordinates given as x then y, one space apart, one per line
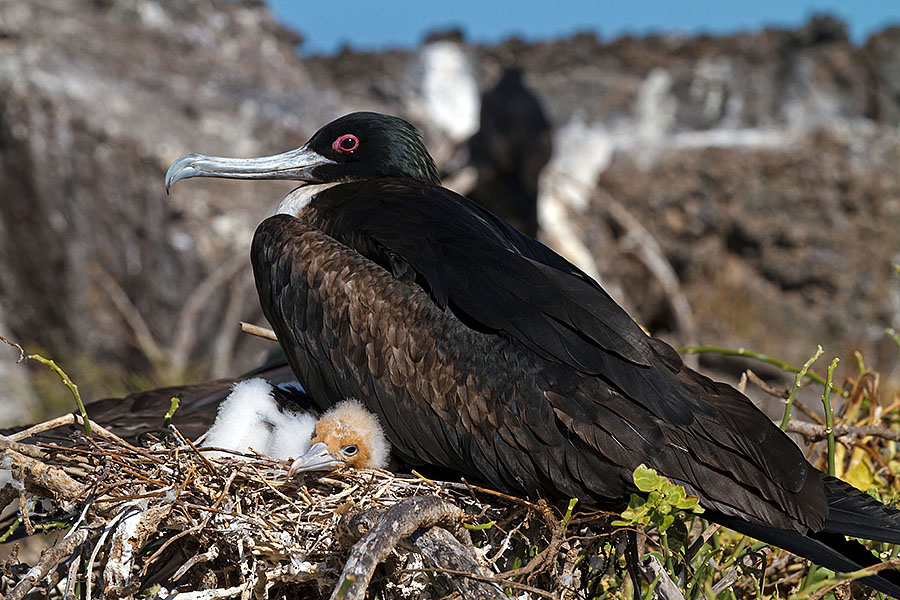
209 555
829 415
124 512
66 419
398 522
7 443
846 433
211 467
495 579
40 478
50 560
784 366
444 551
665 588
62 374
258 331
797 381
545 556
217 594
23 509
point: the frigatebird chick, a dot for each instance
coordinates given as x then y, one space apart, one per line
347 434
251 418
258 416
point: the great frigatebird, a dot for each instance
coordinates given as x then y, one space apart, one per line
483 351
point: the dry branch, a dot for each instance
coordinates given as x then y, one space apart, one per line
258 331
847 434
49 561
398 522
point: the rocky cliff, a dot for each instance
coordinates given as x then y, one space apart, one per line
742 190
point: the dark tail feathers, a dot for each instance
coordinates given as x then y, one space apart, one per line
829 550
857 514
851 513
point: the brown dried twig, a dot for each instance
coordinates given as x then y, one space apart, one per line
848 434
398 522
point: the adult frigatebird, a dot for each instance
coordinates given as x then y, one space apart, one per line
483 351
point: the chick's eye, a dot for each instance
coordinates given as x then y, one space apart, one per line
350 450
346 143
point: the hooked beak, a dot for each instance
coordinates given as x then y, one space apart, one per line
294 164
317 458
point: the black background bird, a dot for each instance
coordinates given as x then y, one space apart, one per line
512 145
483 351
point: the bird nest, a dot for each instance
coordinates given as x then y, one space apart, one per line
163 519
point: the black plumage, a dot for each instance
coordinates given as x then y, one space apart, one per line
511 147
483 351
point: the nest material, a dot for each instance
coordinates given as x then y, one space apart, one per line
164 519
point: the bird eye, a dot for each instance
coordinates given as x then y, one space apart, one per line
350 450
346 143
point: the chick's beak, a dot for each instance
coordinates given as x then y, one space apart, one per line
317 458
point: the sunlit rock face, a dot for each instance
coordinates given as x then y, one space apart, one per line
764 165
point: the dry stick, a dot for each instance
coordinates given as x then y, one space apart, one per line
7 443
494 579
206 463
216 594
398 522
192 530
124 512
652 569
545 556
808 412
843 578
207 556
62 374
40 477
72 576
441 549
765 387
846 433
50 560
258 331
67 419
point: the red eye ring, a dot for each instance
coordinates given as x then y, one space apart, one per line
346 143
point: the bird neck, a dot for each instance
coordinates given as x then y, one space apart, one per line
299 198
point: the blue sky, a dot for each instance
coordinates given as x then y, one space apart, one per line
378 24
